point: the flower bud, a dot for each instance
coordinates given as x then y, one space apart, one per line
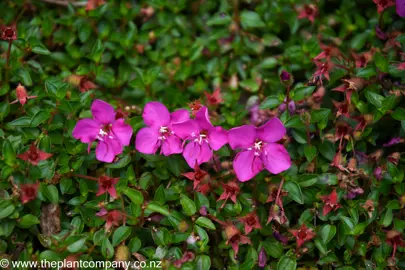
286 78
262 258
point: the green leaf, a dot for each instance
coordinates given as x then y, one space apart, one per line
388 217
203 262
251 19
28 221
273 248
51 193
39 118
294 191
286 263
367 72
40 49
8 153
307 180
120 235
359 40
374 98
310 152
327 233
268 63
327 149
399 114
77 245
134 195
348 222
188 205
381 62
250 85
120 163
24 76
270 102
107 249
302 92
155 207
205 222
50 255
219 19
6 208
97 51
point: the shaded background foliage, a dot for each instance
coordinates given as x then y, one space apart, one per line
132 52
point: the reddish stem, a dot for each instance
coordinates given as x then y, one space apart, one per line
85 177
279 191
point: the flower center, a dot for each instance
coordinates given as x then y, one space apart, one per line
30 192
200 138
257 147
104 131
165 132
302 234
33 155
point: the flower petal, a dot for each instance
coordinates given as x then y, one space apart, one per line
185 129
147 141
122 131
156 115
400 8
246 165
272 131
276 158
107 150
242 137
179 116
102 112
218 137
205 154
172 145
86 130
191 153
203 119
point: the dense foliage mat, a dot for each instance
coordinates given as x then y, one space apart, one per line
234 134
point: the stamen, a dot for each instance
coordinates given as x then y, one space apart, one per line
163 129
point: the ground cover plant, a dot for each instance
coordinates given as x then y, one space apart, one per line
236 134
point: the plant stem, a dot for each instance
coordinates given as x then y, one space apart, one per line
7 67
85 177
279 190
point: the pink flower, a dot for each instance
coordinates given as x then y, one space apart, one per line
383 4
33 155
303 234
111 134
401 8
378 173
203 137
259 149
113 218
331 203
8 32
392 142
251 221
107 184
22 95
231 191
28 192
309 12
159 132
214 98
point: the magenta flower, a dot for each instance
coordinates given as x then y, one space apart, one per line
203 137
159 132
259 149
401 8
112 134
